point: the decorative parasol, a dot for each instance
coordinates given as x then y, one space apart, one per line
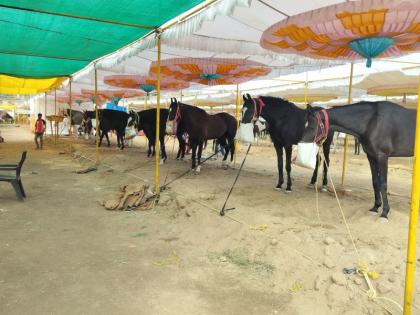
114 95
350 30
146 84
75 97
390 83
211 71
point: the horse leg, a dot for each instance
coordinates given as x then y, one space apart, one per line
162 148
232 149
383 184
279 151
375 183
326 150
193 153
120 137
101 133
315 173
107 138
200 150
289 167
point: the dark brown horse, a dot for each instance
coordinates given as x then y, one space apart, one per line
200 127
384 130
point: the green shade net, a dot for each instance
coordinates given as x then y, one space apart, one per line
40 45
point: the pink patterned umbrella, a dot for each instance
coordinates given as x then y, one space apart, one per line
350 30
211 71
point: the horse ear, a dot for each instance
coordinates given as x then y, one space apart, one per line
249 96
244 97
309 108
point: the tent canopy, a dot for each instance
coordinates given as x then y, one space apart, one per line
49 38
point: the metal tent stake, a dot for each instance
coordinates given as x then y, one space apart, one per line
222 212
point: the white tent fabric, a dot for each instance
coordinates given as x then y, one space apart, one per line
232 28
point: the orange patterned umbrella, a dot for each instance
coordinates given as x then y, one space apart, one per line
350 30
147 84
211 71
75 97
114 95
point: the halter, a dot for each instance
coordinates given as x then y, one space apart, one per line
176 119
323 126
260 106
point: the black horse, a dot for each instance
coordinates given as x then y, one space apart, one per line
146 121
112 120
384 130
200 127
286 124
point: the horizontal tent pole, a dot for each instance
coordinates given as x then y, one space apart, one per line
73 16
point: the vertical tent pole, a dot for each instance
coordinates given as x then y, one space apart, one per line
70 100
414 217
45 105
346 139
238 101
55 114
157 155
180 97
96 114
306 89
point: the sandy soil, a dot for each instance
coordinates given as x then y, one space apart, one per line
62 253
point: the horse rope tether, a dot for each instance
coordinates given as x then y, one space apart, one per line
362 267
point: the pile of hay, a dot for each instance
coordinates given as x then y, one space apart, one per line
131 197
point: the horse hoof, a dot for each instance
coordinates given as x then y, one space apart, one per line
198 169
373 212
310 186
383 219
288 190
161 161
324 189
278 188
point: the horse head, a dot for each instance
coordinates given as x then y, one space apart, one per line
251 109
133 119
316 126
174 115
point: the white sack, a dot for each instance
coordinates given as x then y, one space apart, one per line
245 133
306 155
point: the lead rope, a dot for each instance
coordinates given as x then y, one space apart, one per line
362 267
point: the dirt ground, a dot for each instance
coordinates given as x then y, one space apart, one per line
62 253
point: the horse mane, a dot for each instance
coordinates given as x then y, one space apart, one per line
276 101
194 108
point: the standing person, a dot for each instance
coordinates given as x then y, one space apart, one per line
40 126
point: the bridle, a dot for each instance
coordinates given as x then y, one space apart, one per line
322 126
177 118
258 107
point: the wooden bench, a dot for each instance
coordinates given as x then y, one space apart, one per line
14 179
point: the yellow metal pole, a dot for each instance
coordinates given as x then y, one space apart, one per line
414 218
346 139
145 103
55 114
306 92
157 155
96 115
238 103
70 100
45 105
